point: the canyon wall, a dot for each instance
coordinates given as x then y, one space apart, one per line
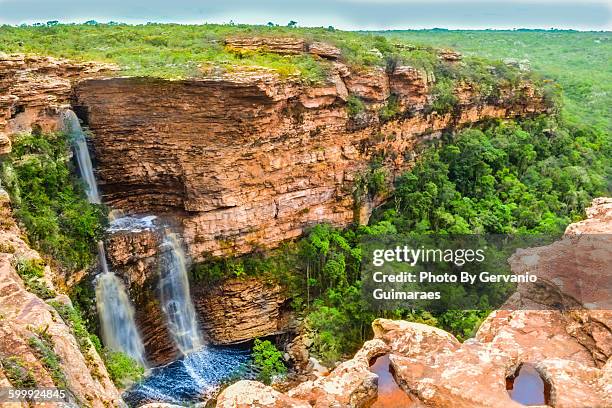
246 160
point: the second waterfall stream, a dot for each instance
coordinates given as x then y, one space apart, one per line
176 297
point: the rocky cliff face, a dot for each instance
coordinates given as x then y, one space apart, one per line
33 90
238 310
26 320
248 160
571 350
230 311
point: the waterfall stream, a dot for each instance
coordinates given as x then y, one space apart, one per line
79 142
116 313
175 296
117 317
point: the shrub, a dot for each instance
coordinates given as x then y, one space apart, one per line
268 359
444 99
50 202
354 106
73 319
42 345
122 369
32 273
391 109
17 372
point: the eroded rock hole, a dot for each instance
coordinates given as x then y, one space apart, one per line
527 386
390 395
17 110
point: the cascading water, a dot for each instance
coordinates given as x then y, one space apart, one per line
117 317
116 313
79 141
175 296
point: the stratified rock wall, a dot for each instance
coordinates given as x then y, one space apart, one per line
238 310
247 160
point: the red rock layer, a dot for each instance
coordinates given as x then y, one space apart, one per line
247 160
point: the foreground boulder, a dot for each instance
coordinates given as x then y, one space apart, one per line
246 394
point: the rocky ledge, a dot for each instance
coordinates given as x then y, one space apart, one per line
34 89
570 349
248 159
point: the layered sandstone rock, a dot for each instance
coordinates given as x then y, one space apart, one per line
283 45
34 89
238 310
25 316
247 160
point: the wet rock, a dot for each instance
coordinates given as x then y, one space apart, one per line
134 255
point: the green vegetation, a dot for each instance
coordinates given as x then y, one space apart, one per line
183 51
42 345
122 369
268 359
354 106
578 61
17 372
73 319
50 202
390 110
32 271
534 176
515 176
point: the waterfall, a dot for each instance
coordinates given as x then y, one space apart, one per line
72 125
116 313
175 296
117 317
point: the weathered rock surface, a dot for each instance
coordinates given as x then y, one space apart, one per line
24 316
351 384
283 45
247 160
238 310
34 89
571 349
247 394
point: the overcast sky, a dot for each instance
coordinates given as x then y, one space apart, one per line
344 14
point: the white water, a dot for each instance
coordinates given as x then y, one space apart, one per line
116 313
175 296
79 141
